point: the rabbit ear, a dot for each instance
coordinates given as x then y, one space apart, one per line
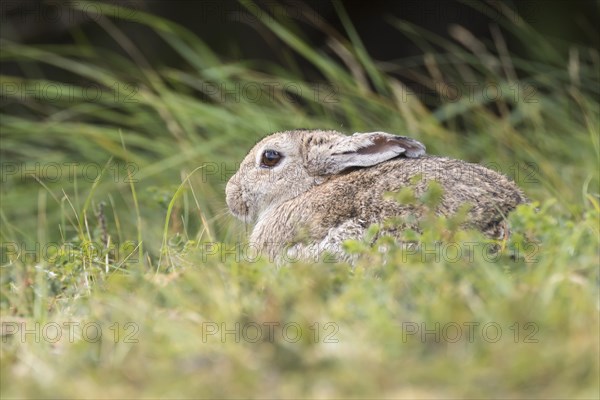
360 150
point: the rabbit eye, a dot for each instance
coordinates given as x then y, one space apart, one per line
270 158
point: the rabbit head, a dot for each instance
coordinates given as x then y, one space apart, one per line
286 164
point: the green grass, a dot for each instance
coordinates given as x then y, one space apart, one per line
150 160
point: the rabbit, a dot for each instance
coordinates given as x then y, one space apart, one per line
309 190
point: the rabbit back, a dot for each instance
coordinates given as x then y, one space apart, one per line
345 205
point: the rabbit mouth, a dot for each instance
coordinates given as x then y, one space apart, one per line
242 213
238 208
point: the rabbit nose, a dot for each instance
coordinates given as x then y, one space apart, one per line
233 198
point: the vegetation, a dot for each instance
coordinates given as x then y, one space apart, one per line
123 275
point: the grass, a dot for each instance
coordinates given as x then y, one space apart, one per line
132 240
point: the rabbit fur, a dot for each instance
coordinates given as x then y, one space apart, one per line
309 190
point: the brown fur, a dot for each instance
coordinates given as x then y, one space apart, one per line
312 210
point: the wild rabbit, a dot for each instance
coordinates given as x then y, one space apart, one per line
309 190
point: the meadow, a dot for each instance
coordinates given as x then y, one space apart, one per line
124 276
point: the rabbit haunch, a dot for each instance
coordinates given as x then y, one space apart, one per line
327 187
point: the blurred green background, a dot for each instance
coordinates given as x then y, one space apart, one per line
121 123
